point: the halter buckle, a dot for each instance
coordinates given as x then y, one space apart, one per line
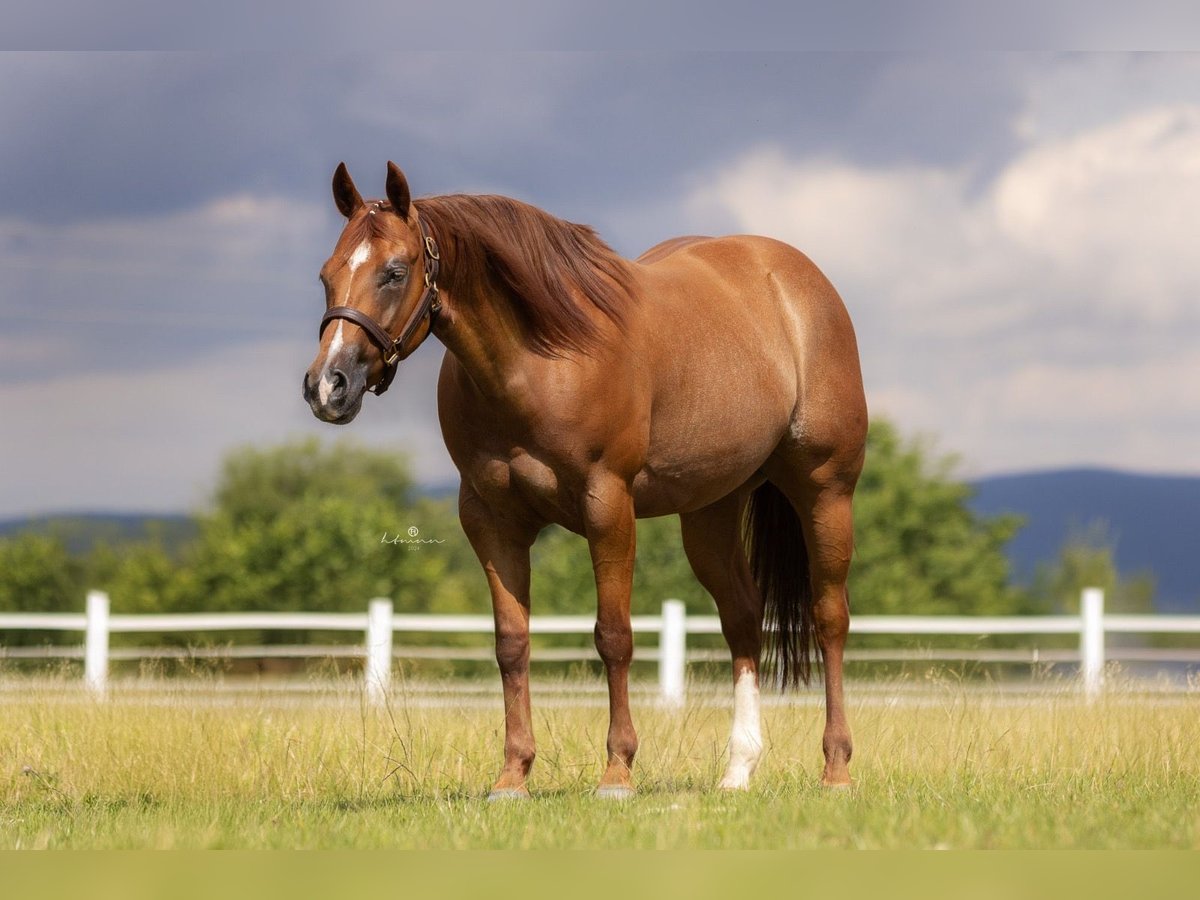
431 249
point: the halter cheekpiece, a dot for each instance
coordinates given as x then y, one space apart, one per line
393 349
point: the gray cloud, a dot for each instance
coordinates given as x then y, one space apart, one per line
145 133
1049 318
165 216
917 25
112 236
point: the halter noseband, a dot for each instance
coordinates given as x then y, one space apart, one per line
391 348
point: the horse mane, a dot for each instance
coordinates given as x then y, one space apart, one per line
545 267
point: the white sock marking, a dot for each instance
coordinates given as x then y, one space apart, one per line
745 739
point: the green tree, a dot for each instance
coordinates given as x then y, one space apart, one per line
308 526
918 546
1087 559
38 575
140 577
256 484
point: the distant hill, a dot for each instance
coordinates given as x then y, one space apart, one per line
1155 520
80 532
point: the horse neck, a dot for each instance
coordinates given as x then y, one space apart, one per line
483 334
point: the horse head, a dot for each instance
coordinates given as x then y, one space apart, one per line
381 297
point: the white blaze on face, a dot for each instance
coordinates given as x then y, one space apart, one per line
360 255
324 385
745 740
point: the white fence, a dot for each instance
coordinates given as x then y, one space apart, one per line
380 623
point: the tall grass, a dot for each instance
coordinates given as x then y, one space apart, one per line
946 766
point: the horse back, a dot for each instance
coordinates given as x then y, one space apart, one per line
666 248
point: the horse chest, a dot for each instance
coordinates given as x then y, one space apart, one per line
526 480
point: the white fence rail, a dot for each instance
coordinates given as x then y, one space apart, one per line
380 623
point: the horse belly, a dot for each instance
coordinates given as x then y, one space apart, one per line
693 464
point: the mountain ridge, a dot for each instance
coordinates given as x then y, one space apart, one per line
1154 520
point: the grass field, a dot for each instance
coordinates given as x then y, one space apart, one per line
943 766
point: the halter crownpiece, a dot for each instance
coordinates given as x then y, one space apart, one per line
429 305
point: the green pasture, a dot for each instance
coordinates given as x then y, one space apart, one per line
938 765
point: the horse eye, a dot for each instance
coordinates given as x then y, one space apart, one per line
395 273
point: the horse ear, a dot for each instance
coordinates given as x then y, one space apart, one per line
397 191
345 194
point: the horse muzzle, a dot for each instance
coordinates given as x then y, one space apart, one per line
335 395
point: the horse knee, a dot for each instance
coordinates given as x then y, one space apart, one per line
512 651
614 643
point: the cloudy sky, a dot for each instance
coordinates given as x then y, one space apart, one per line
1013 233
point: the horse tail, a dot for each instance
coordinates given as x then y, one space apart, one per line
779 564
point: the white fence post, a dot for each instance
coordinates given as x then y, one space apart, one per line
378 670
95 644
1091 640
672 653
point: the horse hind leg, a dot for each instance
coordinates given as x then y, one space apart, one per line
821 496
712 539
831 525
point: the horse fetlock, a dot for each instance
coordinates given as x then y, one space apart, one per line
519 757
838 749
622 748
837 745
745 753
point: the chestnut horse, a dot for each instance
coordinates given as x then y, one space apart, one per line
716 379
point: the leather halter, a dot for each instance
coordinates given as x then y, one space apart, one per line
393 349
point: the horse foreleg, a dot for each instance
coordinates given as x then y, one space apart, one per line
503 551
612 537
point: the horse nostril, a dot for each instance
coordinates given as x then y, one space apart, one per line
308 392
337 382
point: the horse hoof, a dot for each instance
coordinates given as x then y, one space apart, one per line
837 787
736 778
614 792
501 794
